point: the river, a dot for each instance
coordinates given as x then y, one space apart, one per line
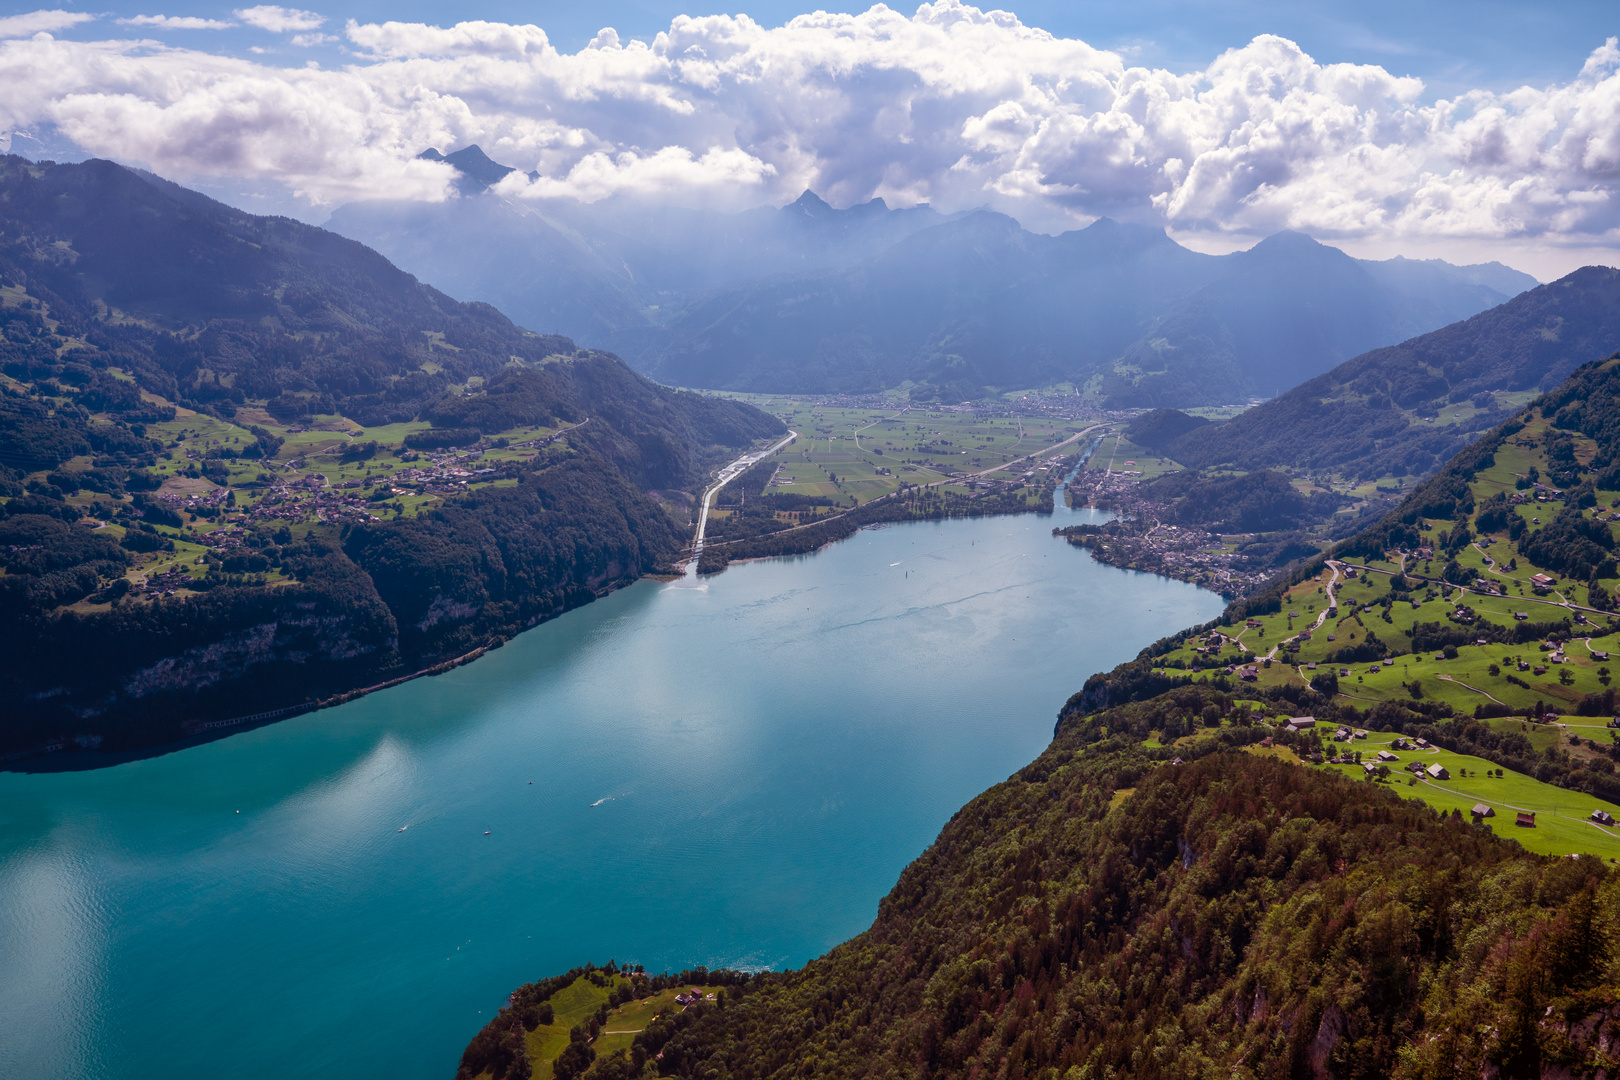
727 775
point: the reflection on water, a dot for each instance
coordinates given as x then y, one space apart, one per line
724 775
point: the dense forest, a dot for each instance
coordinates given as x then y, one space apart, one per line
1260 501
126 301
1107 912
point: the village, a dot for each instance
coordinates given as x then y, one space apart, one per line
1136 540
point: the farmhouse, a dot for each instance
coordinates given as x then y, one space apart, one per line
1438 772
1300 723
1603 817
1385 755
1526 819
1480 810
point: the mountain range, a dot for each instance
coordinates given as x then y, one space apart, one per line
810 299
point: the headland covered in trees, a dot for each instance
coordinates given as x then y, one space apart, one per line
1211 872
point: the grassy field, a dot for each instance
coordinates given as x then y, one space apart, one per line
1562 824
859 454
576 1003
1119 454
1467 671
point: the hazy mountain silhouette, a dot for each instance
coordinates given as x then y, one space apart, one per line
1386 412
808 298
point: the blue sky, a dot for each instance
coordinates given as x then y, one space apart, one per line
1469 131
1452 46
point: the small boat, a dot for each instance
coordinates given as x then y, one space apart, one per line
402 828
486 832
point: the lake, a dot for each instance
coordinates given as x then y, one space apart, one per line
730 775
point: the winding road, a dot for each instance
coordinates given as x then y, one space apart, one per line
1322 616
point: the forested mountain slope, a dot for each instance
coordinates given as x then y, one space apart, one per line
1285 310
1183 884
246 464
1233 915
1367 417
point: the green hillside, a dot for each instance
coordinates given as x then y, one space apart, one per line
1403 410
1106 912
247 466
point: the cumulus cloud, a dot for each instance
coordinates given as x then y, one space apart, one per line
280 20
393 40
951 105
40 22
673 169
175 22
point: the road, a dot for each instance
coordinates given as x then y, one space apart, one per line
1026 457
726 476
691 567
1561 602
1332 602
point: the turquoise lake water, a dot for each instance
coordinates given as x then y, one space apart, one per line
730 775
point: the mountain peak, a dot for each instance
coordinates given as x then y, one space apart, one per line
810 205
1288 240
1287 247
471 161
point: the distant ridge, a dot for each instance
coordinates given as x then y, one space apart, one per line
810 298
1369 412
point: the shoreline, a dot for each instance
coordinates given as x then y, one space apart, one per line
66 757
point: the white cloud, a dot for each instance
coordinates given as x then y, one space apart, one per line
671 170
40 22
953 105
394 40
175 22
278 19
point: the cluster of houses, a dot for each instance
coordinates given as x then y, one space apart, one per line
1174 551
165 584
1525 819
